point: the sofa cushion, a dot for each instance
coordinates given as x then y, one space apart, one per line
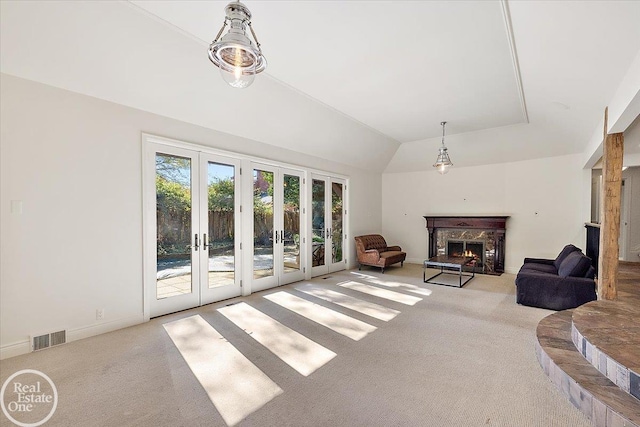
564 253
537 267
391 257
574 265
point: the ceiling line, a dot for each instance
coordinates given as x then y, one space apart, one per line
265 74
514 57
334 109
164 22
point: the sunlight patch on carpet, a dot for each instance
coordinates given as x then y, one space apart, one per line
235 386
347 301
381 293
293 348
389 284
337 322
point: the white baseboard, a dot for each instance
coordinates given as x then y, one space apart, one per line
12 350
24 347
103 327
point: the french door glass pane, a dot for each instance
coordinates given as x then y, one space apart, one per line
336 221
291 223
221 226
262 224
317 222
173 219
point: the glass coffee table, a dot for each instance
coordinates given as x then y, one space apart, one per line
450 265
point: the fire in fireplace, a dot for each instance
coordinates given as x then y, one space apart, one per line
467 248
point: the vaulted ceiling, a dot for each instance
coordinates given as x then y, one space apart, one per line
365 83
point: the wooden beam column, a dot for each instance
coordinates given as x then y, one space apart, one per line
610 213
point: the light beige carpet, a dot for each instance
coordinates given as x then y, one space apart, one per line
443 357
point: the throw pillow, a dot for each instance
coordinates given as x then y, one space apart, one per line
563 254
574 265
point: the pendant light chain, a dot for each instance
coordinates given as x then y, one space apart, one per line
253 33
224 25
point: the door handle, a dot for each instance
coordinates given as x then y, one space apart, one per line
282 236
276 237
205 242
196 246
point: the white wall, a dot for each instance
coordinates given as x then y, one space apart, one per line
133 59
632 176
544 197
75 163
632 191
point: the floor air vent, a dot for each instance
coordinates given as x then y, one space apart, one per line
41 342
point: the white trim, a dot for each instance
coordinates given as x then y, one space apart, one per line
267 282
147 228
103 327
625 210
340 265
206 149
209 295
16 349
24 347
292 276
157 306
514 58
247 163
347 253
246 253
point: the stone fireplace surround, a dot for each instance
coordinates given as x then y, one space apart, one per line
488 229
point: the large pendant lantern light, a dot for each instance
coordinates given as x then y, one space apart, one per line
238 59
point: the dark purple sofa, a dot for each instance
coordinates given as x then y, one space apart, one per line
556 284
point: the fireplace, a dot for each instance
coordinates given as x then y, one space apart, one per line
481 236
473 248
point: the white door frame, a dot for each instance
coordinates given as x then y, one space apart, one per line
291 276
324 268
340 264
624 219
151 142
328 266
207 294
155 306
200 292
279 276
262 283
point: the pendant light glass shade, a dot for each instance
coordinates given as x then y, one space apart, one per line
237 67
238 59
443 162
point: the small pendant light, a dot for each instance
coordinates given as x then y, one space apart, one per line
443 163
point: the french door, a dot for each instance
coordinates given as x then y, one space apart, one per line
277 226
193 224
327 224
